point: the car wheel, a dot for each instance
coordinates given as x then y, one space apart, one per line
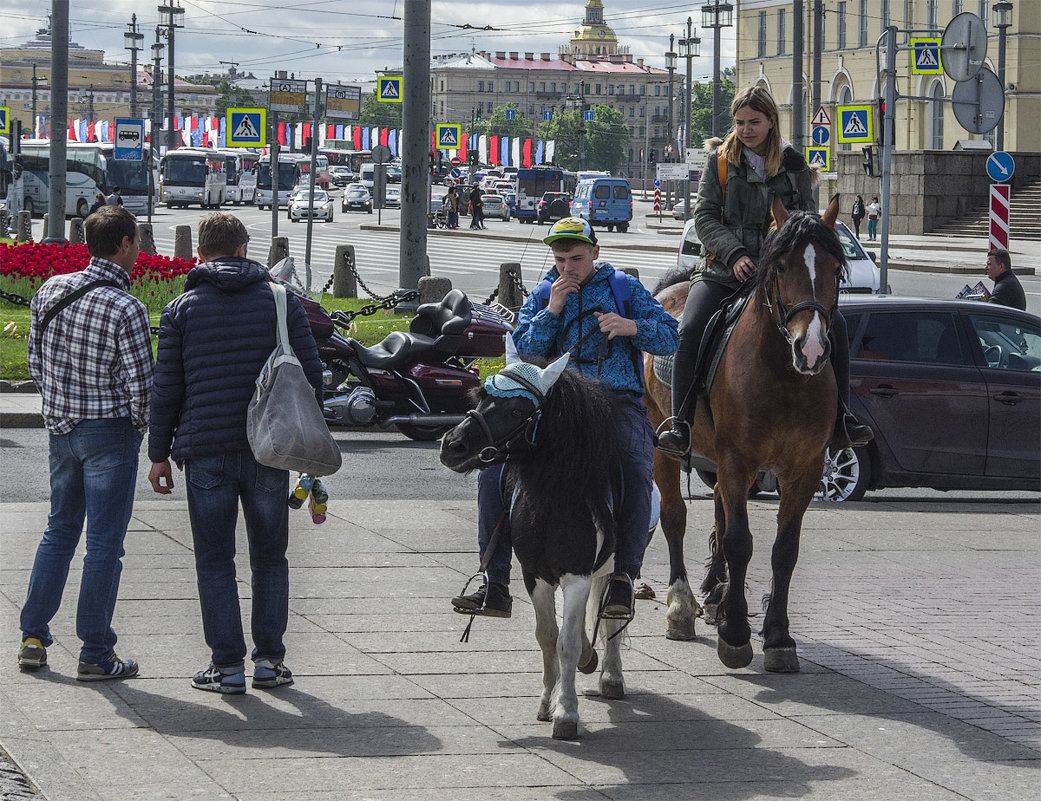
610 227
623 227
82 208
707 477
847 475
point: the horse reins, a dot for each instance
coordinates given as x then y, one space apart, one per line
494 450
785 314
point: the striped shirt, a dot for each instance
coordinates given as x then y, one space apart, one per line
94 359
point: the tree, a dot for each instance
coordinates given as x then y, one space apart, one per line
379 115
498 125
231 96
595 145
701 108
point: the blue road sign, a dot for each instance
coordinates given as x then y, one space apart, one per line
246 127
657 181
511 114
547 114
589 116
856 124
1000 166
5 119
456 172
130 140
820 135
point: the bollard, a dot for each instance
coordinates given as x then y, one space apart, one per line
46 218
25 226
3 222
76 231
279 250
433 290
182 248
147 238
633 271
510 295
345 285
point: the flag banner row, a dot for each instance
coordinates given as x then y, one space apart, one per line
199 131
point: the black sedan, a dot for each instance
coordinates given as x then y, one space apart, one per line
356 196
952 390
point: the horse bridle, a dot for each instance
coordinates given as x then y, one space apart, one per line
785 314
524 431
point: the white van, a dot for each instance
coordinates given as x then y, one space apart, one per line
368 175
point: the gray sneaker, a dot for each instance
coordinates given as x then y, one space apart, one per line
32 655
111 668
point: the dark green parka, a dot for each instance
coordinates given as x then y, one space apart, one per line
741 227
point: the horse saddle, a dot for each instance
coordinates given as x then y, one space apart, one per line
713 344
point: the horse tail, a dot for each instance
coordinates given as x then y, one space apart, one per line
675 275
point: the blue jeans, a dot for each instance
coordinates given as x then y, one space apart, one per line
215 486
634 516
93 470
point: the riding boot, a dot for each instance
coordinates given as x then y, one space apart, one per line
849 431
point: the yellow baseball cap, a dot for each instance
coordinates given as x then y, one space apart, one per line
571 228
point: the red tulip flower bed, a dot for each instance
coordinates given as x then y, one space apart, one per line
23 268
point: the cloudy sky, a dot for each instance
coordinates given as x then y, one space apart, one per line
350 39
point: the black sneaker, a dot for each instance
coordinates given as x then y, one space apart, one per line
492 600
850 433
676 441
212 680
620 603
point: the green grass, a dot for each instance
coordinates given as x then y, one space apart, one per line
14 346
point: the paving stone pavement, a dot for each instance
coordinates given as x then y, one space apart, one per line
917 624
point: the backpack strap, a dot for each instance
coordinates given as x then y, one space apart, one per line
72 297
721 170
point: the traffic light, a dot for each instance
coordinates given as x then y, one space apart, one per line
869 160
478 116
654 157
472 160
881 122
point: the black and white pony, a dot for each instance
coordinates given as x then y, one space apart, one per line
554 431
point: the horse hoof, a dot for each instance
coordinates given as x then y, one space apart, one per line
565 729
680 632
591 662
710 612
780 660
545 715
612 690
734 656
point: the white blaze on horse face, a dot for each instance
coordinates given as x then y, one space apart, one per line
813 342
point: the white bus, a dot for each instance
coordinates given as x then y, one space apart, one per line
241 170
194 175
289 175
90 167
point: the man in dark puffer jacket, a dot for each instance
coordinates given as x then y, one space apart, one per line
213 342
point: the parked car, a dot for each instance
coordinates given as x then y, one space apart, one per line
393 174
952 390
679 211
496 206
604 200
392 198
319 207
553 206
356 196
341 176
863 275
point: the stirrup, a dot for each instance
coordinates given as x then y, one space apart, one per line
674 424
628 616
473 613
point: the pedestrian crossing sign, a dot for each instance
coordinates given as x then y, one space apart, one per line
448 136
389 90
856 124
926 56
5 120
819 157
246 127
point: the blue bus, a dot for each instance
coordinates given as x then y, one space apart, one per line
534 182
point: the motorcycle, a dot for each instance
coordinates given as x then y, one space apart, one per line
421 381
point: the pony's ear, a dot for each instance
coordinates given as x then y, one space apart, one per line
780 213
511 350
831 213
549 376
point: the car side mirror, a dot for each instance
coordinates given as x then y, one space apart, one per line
872 256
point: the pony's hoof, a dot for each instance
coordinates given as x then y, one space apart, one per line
711 612
680 630
545 715
780 660
590 663
734 656
612 690
565 729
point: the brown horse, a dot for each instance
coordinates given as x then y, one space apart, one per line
771 406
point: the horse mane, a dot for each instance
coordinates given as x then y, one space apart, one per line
576 457
674 275
802 227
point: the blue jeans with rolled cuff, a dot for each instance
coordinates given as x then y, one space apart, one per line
93 472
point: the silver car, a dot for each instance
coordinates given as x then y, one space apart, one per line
320 206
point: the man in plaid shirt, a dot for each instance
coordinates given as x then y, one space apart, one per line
92 361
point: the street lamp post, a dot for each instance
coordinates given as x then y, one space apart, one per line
157 113
690 48
171 17
133 41
715 16
1002 21
670 65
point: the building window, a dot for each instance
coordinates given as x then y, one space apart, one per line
932 14
480 86
936 108
553 86
542 86
845 98
657 91
632 111
862 36
761 48
782 33
885 17
983 15
840 27
643 89
955 7
610 88
531 86
643 111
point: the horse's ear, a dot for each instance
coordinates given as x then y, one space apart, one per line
511 350
549 376
831 213
780 213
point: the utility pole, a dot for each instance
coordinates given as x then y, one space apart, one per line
818 35
34 100
132 41
415 121
319 110
60 116
798 112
